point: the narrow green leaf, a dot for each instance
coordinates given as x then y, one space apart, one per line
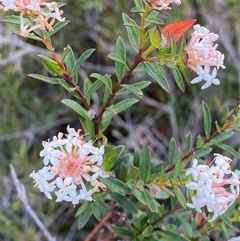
115 185
107 92
156 21
76 107
200 142
88 128
93 88
203 151
138 3
65 52
172 236
132 173
150 201
155 37
121 231
95 210
154 73
133 89
185 223
84 217
185 72
177 169
178 79
50 64
139 85
136 159
145 165
70 60
188 141
182 46
47 79
58 26
172 149
111 156
227 148
122 105
132 31
81 60
223 136
162 52
226 220
123 172
124 202
173 47
69 88
180 196
116 57
121 51
147 232
206 119
137 10
86 205
102 78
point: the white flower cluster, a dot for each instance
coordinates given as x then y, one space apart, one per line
208 183
202 55
42 13
70 163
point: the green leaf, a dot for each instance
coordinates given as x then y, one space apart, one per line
107 92
139 3
58 26
86 205
150 201
70 60
206 119
188 141
172 236
81 60
172 149
94 87
116 57
137 86
226 220
177 169
200 142
69 88
124 202
155 36
133 89
65 52
121 51
137 10
156 21
223 136
185 72
185 223
145 165
51 65
115 185
84 217
111 156
76 107
155 74
178 79
132 173
95 210
121 231
47 79
203 151
147 232
88 128
132 31
227 148
102 78
162 52
173 47
179 196
122 105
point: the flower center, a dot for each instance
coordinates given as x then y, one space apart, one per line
70 165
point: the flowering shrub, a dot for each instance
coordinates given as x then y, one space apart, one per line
89 172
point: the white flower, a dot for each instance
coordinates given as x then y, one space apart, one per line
8 5
49 154
211 79
196 169
64 188
203 73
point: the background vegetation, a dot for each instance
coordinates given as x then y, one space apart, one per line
31 110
